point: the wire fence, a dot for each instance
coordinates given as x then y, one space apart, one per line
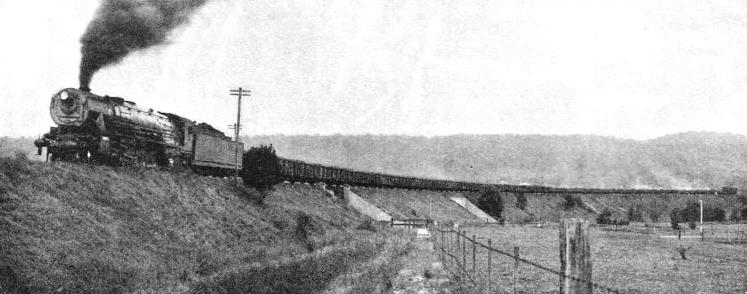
486 269
719 233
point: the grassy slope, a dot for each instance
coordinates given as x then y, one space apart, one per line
78 228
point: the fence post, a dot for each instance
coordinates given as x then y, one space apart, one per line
474 250
516 266
679 234
464 251
490 263
575 257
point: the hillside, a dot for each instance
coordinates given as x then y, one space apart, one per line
680 161
77 228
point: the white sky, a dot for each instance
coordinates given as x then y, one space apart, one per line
626 68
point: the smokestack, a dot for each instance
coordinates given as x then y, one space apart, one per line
85 88
123 26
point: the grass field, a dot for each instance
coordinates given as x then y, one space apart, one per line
629 261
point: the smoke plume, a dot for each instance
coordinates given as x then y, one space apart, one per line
123 26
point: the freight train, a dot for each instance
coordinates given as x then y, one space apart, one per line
115 131
299 171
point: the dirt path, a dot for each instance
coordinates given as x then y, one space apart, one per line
422 272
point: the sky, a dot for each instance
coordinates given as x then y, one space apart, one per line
634 69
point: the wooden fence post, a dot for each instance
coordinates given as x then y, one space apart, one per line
516 266
490 268
474 251
575 256
464 251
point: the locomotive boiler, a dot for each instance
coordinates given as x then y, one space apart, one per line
116 131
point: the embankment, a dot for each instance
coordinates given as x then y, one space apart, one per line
77 228
408 204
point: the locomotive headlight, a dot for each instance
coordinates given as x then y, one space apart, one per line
63 95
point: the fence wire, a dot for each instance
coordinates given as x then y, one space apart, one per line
446 246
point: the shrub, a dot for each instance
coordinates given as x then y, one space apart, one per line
744 213
654 215
711 213
261 168
692 225
571 201
674 219
691 212
735 215
521 201
605 218
635 213
367 225
21 156
491 201
304 226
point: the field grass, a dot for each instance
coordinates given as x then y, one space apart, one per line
629 261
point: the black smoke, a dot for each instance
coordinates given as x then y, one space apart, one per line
123 26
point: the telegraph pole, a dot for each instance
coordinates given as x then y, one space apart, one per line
701 216
240 92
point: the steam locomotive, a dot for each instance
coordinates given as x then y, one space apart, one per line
118 132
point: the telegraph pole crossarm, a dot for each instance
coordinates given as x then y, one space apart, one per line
240 92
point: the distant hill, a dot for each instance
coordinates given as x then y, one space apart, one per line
680 161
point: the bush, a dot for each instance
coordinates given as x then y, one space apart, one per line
261 168
21 156
571 201
521 201
635 213
691 212
692 225
674 219
491 201
735 215
367 225
714 214
605 218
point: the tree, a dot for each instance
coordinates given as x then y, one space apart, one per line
261 168
635 213
521 201
571 201
491 201
691 212
605 217
674 219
